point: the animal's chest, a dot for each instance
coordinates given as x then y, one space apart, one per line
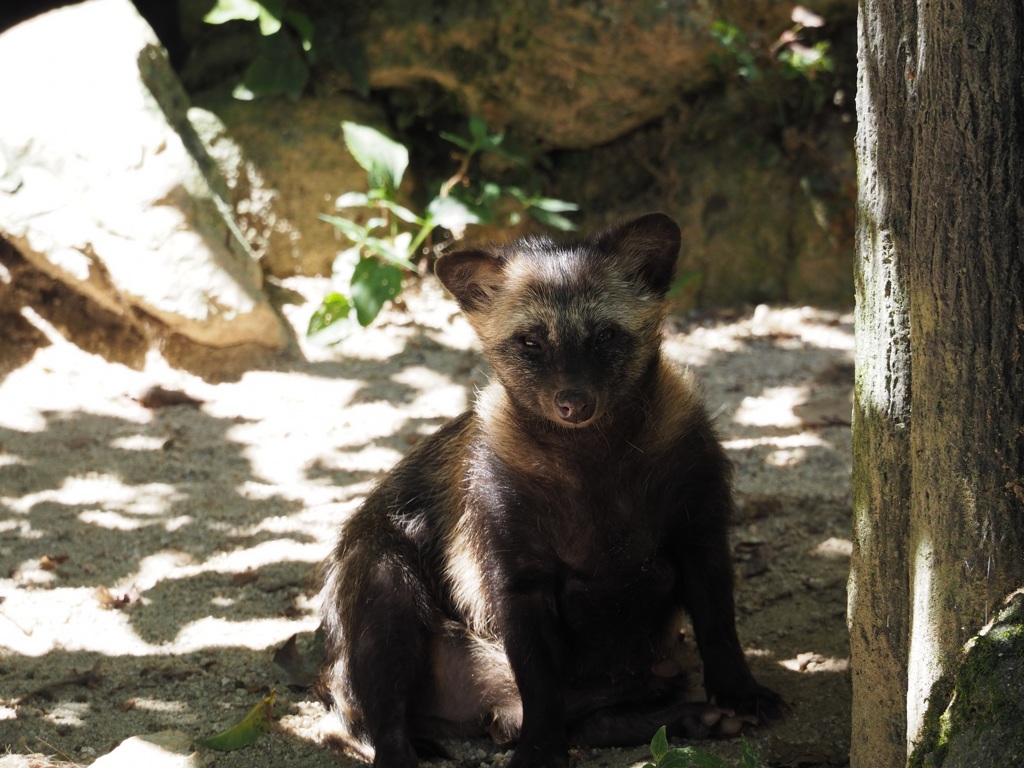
608 557
623 580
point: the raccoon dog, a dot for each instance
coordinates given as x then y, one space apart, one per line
524 570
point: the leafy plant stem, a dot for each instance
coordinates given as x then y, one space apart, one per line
421 237
459 176
386 243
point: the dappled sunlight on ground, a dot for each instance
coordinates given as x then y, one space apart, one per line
773 408
153 559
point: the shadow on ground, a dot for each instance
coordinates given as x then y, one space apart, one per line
153 560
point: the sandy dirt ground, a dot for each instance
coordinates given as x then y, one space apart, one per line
153 560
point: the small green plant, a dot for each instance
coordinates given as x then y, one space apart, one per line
290 44
286 38
386 242
788 53
798 59
808 62
738 53
788 59
666 756
484 200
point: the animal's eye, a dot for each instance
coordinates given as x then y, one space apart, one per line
605 335
529 341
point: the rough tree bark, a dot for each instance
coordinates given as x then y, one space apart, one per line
939 413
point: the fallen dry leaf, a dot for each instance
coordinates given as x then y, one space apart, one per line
249 729
299 670
111 601
51 562
245 577
158 397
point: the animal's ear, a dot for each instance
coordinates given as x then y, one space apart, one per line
648 247
473 277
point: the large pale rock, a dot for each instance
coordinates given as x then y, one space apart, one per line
99 190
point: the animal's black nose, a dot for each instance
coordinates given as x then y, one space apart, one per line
575 405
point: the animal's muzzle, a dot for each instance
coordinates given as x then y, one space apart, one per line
575 406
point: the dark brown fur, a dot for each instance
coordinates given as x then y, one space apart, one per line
525 568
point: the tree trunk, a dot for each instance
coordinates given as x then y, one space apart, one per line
939 414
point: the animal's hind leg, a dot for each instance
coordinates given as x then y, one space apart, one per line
388 657
632 723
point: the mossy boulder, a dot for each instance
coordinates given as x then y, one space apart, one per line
568 74
975 715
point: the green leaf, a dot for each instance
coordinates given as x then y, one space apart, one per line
801 61
373 284
450 213
402 213
352 200
732 39
402 241
750 758
690 757
270 15
478 130
279 69
267 12
748 69
334 307
383 158
659 744
392 250
302 24
482 141
457 140
354 232
232 10
342 50
491 193
495 145
676 758
480 202
553 206
555 220
249 729
727 35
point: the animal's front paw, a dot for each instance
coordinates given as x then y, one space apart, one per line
755 700
703 720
